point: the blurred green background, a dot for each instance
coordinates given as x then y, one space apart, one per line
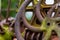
4 6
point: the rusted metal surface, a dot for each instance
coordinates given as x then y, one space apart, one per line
43 32
21 14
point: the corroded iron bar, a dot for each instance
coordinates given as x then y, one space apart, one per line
17 20
57 13
38 14
55 19
57 29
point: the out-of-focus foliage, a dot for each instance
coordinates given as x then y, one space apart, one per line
7 34
4 5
